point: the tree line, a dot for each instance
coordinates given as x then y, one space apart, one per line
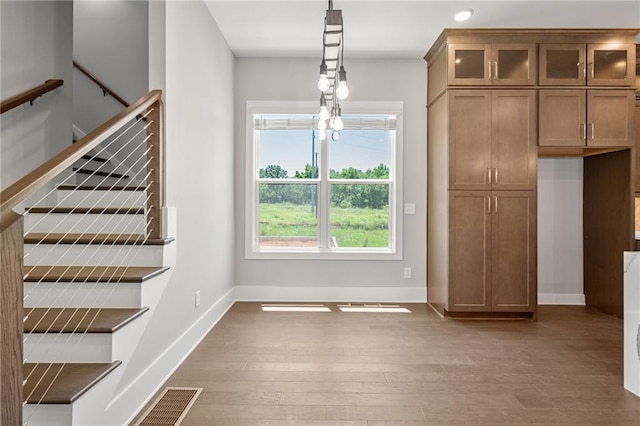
342 195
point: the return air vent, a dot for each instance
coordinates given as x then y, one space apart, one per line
170 408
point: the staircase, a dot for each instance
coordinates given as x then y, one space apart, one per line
83 269
91 278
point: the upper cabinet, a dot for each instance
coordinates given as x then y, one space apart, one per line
492 64
591 118
595 64
492 139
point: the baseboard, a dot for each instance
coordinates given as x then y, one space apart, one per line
560 299
154 377
247 293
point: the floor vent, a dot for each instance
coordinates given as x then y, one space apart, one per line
170 408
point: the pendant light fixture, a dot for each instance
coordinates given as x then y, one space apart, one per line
333 77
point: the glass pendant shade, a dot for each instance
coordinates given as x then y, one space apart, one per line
324 113
342 91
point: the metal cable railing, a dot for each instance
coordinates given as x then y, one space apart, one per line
79 258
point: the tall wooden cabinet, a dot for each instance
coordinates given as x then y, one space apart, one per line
497 99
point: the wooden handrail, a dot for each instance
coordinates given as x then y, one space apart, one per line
103 86
38 178
29 95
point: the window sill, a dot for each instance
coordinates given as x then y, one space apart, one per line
317 254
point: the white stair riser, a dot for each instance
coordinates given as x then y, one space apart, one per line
82 295
81 223
47 415
67 198
61 347
93 255
86 180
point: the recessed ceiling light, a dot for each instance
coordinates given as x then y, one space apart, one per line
463 15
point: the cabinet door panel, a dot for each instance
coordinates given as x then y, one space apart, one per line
469 64
611 64
610 117
469 251
562 117
469 139
637 146
514 64
513 254
513 147
563 64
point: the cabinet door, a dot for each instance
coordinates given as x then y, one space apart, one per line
610 118
469 251
562 117
514 64
563 64
469 139
469 64
513 147
611 64
637 147
513 251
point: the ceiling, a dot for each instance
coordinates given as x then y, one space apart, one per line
393 28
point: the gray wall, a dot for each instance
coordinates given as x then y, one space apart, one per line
36 46
199 167
560 232
110 40
369 80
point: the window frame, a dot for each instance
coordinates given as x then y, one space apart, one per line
253 251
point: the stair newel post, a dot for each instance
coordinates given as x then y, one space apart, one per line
11 318
156 180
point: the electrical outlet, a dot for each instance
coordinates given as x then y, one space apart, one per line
197 298
407 272
409 208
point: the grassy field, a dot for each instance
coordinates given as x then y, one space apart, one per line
351 227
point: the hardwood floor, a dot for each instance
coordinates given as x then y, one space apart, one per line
366 369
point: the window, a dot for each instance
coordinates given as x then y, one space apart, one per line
323 199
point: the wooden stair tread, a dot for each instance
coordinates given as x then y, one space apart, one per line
71 382
94 158
86 210
128 274
126 239
99 188
79 320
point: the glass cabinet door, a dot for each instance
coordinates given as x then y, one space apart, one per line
514 64
483 64
563 64
611 64
469 64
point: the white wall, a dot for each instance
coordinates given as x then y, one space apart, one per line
36 39
199 175
369 80
560 255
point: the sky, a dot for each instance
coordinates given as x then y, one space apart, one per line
292 149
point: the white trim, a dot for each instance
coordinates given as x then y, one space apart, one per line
274 293
159 370
560 299
394 252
